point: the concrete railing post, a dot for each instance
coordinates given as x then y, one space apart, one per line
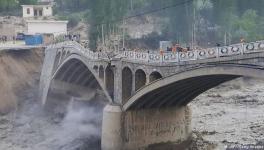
243 49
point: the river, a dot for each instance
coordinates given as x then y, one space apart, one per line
231 113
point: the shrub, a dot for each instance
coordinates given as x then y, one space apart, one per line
73 20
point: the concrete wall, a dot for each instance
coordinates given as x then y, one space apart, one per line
48 27
144 128
47 11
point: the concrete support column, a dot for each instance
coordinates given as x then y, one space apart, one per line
118 84
111 128
167 128
104 78
147 79
60 59
133 83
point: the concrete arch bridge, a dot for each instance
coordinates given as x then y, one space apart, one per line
147 93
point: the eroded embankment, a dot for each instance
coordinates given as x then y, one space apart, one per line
19 70
30 126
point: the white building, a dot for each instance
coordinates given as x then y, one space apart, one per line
46 27
37 10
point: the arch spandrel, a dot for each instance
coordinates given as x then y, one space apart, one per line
192 82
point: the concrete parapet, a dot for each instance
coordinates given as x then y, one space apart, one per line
141 129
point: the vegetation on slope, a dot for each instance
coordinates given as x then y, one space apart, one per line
204 22
10 7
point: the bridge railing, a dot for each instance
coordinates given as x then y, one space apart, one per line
79 48
215 52
169 57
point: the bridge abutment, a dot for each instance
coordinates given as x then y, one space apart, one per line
142 129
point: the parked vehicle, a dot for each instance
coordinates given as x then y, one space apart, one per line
20 36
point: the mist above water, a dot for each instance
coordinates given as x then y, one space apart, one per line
77 127
80 128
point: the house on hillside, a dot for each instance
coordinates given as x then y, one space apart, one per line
37 24
37 11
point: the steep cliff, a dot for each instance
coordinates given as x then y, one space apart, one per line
19 70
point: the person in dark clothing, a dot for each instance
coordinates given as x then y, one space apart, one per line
179 49
218 45
14 40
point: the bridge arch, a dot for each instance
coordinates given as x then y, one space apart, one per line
181 88
95 68
110 81
101 72
154 76
127 76
75 77
140 79
68 53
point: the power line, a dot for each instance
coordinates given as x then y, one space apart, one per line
145 13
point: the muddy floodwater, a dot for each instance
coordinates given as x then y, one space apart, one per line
232 113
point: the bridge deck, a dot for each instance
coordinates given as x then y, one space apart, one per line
169 57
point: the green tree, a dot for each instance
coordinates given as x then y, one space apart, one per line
11 6
106 14
73 5
249 26
7 5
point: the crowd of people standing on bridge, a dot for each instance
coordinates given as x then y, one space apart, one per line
72 37
176 48
5 39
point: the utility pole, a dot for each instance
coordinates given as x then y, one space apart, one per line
225 38
103 34
194 28
229 38
131 4
123 33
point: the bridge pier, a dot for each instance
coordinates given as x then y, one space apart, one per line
142 129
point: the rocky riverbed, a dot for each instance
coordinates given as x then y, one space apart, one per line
229 114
